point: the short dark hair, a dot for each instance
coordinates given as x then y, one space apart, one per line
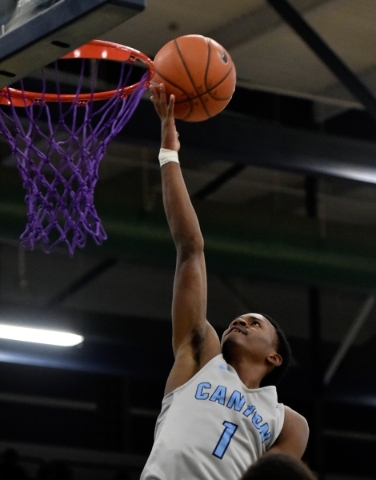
284 349
278 466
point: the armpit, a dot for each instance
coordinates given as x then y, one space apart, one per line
197 344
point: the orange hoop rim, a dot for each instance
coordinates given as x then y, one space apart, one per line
95 49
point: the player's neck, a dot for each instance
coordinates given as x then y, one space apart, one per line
250 373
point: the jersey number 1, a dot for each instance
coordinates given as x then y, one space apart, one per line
224 441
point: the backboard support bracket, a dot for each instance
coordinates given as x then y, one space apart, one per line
57 31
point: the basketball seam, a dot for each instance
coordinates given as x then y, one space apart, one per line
188 99
209 90
207 66
218 83
190 77
178 87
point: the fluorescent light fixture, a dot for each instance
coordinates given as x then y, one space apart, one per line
38 335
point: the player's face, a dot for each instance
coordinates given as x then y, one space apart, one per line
253 331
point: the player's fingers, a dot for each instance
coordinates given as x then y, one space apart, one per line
171 105
154 91
159 99
155 88
162 92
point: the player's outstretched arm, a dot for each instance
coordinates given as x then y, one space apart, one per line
195 341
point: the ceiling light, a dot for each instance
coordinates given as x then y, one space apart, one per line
38 335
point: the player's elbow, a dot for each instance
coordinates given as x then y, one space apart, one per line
189 246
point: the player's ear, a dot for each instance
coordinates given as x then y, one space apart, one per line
275 359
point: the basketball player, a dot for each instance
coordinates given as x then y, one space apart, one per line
216 420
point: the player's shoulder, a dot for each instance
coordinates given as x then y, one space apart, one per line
293 419
294 434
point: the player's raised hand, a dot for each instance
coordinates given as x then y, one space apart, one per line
165 110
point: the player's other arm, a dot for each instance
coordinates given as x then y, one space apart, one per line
294 435
195 341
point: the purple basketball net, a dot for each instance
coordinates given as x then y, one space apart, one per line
58 148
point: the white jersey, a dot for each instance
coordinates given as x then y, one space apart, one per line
213 427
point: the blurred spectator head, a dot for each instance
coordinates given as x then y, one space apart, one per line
9 467
278 466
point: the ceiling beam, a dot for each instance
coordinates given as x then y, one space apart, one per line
81 283
349 338
242 139
219 181
335 64
255 23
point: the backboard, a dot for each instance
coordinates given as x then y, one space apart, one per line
33 33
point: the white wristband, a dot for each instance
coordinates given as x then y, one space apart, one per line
166 155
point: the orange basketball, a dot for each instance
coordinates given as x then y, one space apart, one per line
199 72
